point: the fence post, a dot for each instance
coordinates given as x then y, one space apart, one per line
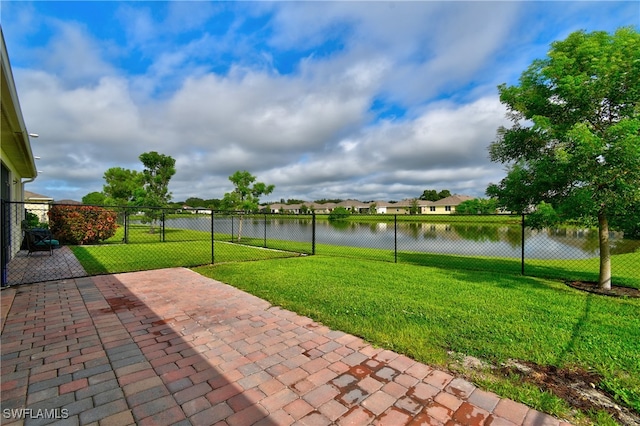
163 219
232 231
213 238
265 230
395 238
522 248
313 233
126 226
5 231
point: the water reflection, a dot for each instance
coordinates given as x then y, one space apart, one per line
458 238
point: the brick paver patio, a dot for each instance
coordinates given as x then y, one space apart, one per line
171 347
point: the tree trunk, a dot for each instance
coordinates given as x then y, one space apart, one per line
604 280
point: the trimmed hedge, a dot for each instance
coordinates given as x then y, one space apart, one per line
82 224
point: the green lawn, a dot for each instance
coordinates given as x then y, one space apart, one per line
426 312
626 271
115 258
426 305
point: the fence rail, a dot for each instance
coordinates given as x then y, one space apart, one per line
148 238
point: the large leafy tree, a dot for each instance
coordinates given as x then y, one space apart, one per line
94 199
158 170
121 185
245 197
574 142
149 188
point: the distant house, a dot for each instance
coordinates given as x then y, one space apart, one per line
401 207
444 206
38 205
380 207
275 208
195 210
323 208
17 161
284 208
68 202
299 208
354 206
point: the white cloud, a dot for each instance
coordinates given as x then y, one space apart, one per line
289 130
74 56
284 90
444 145
433 46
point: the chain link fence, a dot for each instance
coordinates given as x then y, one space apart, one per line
496 243
148 238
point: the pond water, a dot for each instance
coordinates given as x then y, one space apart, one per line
474 239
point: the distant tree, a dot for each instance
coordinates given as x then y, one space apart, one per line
575 139
444 194
373 208
414 207
121 185
477 206
339 213
325 201
430 195
94 199
195 202
433 195
213 204
245 197
294 201
158 170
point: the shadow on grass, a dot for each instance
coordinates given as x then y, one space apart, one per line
461 262
577 331
89 262
532 268
116 258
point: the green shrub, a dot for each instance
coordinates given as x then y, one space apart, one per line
82 224
339 213
32 220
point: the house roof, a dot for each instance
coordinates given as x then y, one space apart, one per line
452 200
352 203
15 138
32 196
68 202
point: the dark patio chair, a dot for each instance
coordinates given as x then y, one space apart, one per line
40 240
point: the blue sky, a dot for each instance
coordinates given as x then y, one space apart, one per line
364 100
